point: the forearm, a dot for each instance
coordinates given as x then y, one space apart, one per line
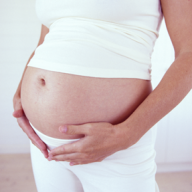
174 86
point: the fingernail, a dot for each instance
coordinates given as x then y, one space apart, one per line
49 158
63 129
71 163
50 155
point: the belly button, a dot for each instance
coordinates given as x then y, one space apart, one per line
42 81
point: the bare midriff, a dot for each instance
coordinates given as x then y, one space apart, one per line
51 99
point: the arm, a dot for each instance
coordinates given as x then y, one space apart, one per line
103 139
177 81
44 31
18 109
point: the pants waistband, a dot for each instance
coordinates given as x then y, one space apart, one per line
52 142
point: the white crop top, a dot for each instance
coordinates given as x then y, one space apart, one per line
98 38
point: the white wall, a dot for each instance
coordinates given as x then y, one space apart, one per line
19 35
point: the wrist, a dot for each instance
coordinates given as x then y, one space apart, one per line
124 135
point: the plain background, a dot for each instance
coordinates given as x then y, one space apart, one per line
19 35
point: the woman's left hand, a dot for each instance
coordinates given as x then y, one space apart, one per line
100 140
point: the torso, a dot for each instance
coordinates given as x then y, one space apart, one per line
51 99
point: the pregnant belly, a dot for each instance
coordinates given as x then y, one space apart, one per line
51 99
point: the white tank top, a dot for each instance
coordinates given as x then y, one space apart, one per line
98 38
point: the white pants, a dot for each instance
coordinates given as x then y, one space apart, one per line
129 170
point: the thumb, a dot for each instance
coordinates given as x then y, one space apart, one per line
18 113
18 109
74 129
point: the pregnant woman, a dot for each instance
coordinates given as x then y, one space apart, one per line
85 99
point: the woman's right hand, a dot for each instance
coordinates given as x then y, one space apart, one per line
25 125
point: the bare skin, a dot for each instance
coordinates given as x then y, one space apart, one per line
102 138
18 109
174 86
51 99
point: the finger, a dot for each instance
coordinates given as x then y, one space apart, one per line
66 149
18 113
26 127
34 144
39 143
76 129
67 157
100 159
82 161
18 109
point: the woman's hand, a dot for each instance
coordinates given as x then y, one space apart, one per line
101 140
25 125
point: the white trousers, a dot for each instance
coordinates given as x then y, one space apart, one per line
129 170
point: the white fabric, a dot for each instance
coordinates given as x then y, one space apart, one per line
130 170
97 38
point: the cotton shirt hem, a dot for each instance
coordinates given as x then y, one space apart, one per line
90 72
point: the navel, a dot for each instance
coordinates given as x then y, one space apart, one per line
42 81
